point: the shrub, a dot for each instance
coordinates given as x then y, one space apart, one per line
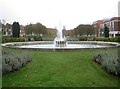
117 39
99 38
12 61
98 57
108 61
36 38
83 38
111 39
6 39
106 39
12 39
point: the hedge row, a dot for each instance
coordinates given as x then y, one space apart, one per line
83 38
108 61
116 39
34 38
6 39
39 38
13 61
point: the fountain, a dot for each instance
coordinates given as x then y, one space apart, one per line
60 41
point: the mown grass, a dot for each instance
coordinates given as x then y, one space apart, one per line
60 69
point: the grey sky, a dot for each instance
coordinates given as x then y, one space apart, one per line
70 13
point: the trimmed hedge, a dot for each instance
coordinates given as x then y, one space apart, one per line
39 38
35 38
6 39
13 61
85 38
108 61
99 38
117 39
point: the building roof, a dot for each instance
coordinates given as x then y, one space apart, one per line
115 18
99 22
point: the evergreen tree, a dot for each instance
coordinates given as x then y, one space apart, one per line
106 31
16 29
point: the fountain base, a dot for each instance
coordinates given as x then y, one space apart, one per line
60 43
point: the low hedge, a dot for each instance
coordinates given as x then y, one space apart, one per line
35 38
113 39
6 39
108 61
13 61
117 39
39 38
99 38
83 38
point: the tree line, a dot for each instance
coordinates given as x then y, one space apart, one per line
81 30
38 29
85 30
30 29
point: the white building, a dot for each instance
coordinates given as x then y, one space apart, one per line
114 26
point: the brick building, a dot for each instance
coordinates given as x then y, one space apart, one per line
113 24
22 31
98 25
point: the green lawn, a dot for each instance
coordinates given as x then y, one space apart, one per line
60 69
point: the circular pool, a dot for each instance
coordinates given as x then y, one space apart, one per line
70 45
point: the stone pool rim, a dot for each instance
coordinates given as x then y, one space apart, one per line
14 44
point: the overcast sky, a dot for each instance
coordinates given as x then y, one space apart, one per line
50 13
